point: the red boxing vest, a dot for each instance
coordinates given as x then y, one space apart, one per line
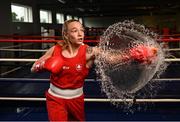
74 70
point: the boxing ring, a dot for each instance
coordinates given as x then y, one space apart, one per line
22 92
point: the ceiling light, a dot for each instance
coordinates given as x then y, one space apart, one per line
62 1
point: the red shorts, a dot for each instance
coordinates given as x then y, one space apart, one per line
60 109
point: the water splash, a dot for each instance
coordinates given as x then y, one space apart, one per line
124 79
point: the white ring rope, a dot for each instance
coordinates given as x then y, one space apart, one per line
173 49
32 60
86 80
17 59
172 60
93 99
40 50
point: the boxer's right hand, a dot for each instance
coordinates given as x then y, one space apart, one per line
54 64
143 54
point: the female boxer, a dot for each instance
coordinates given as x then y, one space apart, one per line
69 64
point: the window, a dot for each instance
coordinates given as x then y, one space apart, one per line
80 20
60 18
45 16
76 18
21 13
69 17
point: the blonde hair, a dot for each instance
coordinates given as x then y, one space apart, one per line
65 29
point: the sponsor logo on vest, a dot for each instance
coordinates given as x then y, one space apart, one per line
78 67
66 67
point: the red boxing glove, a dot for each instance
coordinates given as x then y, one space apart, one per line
54 64
143 54
38 66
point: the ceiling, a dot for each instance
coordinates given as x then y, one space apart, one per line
92 8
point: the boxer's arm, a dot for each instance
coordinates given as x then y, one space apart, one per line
107 56
93 52
139 53
90 56
38 65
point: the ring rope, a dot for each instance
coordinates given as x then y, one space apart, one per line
37 36
86 80
7 47
175 49
17 59
53 41
172 60
93 99
39 50
32 60
41 41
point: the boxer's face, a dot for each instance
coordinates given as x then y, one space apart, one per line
75 33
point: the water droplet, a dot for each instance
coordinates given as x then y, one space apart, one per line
123 79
